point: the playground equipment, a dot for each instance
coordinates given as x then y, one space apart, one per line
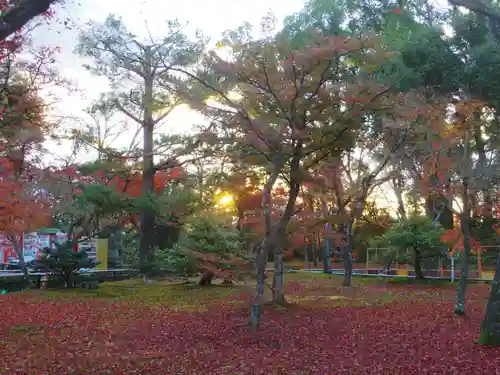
482 263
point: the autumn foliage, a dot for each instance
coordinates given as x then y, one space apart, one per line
351 335
23 208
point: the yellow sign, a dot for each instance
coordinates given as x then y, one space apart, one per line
102 253
488 275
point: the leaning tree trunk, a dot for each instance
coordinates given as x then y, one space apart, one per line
464 271
490 327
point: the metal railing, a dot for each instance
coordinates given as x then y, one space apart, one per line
14 280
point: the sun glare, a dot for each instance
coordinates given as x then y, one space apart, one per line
225 200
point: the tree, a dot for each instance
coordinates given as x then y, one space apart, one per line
490 333
483 9
427 60
64 262
451 170
22 130
353 176
294 109
22 209
147 69
17 14
417 233
212 241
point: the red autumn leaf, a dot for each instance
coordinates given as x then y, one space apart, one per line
126 337
454 238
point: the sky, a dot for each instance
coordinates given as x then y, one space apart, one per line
211 17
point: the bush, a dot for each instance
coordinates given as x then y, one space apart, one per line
417 233
207 243
175 262
64 262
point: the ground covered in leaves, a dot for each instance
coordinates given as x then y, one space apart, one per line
374 327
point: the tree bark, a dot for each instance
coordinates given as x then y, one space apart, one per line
446 216
147 220
19 14
278 275
482 8
348 249
347 254
258 298
15 240
398 185
206 278
490 326
482 165
314 253
418 265
464 271
327 265
262 251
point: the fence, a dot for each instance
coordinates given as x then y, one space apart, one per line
436 263
14 281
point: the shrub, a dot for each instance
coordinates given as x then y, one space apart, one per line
64 262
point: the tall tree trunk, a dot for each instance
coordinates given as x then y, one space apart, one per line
482 164
348 249
464 271
258 298
147 220
327 263
267 243
418 264
327 266
490 326
278 275
314 252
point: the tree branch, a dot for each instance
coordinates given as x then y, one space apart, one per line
477 6
18 15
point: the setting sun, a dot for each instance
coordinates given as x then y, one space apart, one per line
225 200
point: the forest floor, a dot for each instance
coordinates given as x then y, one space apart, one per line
375 327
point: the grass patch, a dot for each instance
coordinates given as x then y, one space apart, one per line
406 281
186 296
24 329
318 287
